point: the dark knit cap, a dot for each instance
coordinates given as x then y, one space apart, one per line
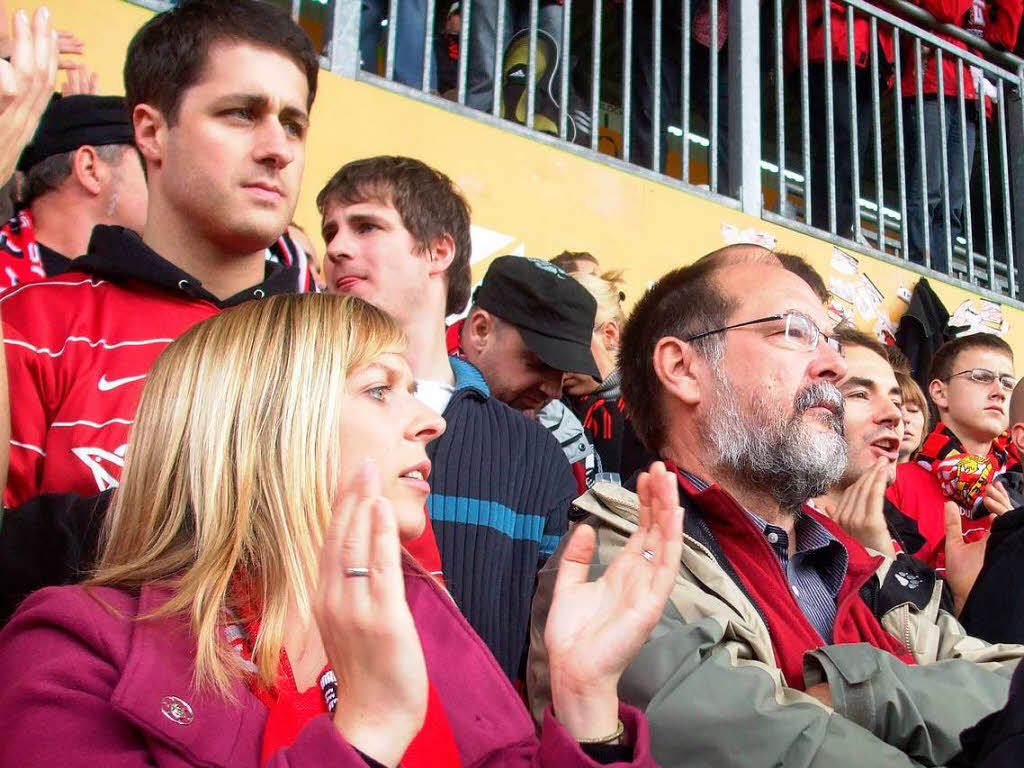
74 121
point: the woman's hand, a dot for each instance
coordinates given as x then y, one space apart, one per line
594 629
26 84
367 629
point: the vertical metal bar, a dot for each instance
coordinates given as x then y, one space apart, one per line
499 56
464 10
805 109
901 168
1005 175
713 100
345 38
829 118
944 159
595 76
965 169
780 107
854 133
428 45
986 190
563 86
389 57
744 97
876 111
922 153
1016 141
296 10
531 67
627 77
684 91
656 88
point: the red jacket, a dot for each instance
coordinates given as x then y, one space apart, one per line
88 686
1002 19
78 348
839 41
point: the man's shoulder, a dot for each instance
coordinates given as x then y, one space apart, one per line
913 479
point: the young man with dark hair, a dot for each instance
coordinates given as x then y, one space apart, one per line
397 235
219 95
772 643
971 379
576 261
81 169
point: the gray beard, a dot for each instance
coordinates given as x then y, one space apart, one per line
785 457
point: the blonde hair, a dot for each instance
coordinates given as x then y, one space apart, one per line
607 292
911 392
231 468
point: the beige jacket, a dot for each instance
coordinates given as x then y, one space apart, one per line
713 694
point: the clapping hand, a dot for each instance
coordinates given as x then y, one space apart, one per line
860 511
595 628
26 84
963 558
366 627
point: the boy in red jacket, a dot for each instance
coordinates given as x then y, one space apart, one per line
971 381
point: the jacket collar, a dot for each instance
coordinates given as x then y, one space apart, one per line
468 376
160 665
119 255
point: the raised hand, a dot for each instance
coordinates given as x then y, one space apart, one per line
595 628
997 499
367 629
860 511
79 80
26 84
963 558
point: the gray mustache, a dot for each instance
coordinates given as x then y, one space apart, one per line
822 394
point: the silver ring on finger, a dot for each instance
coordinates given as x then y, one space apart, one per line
648 555
357 571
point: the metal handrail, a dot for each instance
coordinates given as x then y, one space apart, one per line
925 20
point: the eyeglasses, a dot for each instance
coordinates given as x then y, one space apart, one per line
799 333
985 376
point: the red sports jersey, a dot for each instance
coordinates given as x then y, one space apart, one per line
78 349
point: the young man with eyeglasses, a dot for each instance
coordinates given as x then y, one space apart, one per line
971 379
774 647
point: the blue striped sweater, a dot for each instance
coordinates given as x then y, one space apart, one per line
500 494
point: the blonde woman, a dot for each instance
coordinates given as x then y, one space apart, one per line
252 605
598 404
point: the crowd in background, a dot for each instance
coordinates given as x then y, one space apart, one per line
259 512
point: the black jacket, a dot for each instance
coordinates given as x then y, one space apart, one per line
922 330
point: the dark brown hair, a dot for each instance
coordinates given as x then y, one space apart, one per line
946 355
849 336
167 55
427 201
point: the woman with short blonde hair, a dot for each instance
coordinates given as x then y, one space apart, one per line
916 416
253 605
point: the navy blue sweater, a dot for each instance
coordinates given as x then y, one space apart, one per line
500 494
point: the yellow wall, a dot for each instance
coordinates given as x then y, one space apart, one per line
529 198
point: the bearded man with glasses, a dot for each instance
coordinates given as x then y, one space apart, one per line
771 649
968 458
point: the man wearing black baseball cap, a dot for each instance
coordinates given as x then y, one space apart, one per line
81 169
530 323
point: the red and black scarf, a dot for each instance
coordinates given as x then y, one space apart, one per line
19 252
964 477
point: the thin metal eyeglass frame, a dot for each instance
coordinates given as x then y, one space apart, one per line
995 377
832 341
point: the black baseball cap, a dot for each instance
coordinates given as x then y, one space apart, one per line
74 121
553 313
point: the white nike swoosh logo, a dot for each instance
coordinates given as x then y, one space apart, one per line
105 384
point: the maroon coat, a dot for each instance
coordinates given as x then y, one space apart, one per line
83 687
